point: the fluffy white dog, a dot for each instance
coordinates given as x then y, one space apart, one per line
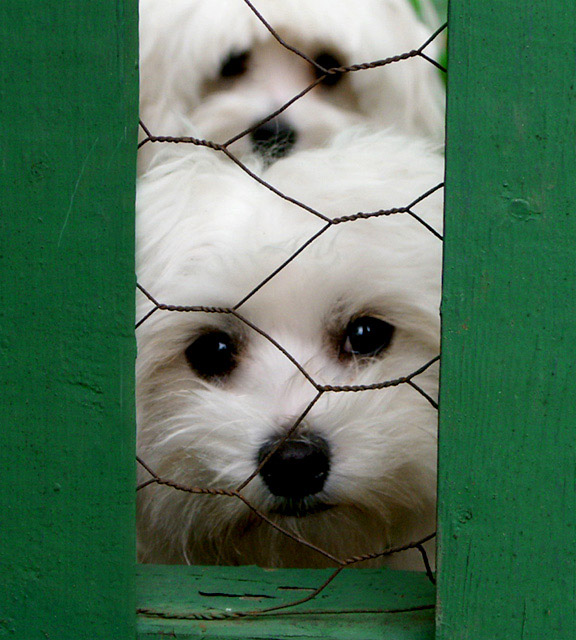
358 306
211 69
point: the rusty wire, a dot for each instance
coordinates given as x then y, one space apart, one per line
321 390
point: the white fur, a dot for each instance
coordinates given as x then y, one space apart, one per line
183 44
208 234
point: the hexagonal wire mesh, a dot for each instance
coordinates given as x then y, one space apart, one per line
236 311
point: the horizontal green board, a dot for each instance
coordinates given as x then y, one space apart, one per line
359 603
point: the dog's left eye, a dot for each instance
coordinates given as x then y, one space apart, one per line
328 61
212 354
367 336
235 65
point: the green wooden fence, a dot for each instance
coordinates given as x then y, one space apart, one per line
68 113
507 507
507 466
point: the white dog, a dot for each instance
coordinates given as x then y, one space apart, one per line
211 69
358 306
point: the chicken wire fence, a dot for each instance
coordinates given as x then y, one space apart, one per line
321 390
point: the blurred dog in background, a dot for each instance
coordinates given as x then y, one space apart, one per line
211 69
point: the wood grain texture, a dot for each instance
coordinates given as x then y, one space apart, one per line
508 386
346 610
68 113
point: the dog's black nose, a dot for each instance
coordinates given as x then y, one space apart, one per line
274 139
299 468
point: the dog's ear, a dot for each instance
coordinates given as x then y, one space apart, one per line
186 202
416 85
183 45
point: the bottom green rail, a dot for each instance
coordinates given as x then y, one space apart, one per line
183 602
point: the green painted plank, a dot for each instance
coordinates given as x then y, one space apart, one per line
351 607
68 116
507 559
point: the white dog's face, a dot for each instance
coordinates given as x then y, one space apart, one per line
359 306
209 68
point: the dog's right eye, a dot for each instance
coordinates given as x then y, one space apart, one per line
367 336
212 355
235 65
328 61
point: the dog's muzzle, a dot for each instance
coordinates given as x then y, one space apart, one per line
296 470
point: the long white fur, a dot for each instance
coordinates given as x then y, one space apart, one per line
183 43
208 234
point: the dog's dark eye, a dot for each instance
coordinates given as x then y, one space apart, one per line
212 355
235 65
328 61
367 336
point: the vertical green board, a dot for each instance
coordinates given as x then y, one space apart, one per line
68 119
507 511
